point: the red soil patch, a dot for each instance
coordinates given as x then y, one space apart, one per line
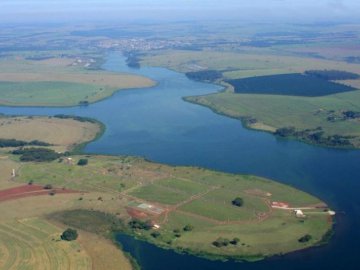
280 204
136 214
30 191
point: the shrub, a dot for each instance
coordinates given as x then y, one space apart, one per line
82 162
140 225
155 234
305 238
69 235
48 186
235 241
238 202
188 228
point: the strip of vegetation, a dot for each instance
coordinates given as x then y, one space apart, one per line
77 118
36 154
315 136
326 237
332 75
19 143
288 84
204 75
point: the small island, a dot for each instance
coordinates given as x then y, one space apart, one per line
207 213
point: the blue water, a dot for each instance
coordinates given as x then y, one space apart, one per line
157 124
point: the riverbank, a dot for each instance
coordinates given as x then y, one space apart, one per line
301 118
189 209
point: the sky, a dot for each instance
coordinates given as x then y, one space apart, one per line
175 10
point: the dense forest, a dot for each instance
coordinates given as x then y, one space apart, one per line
294 84
204 75
19 143
36 154
315 136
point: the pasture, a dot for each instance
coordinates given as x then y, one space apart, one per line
62 134
186 196
57 82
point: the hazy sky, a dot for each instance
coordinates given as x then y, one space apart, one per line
88 10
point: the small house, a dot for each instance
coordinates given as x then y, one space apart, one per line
299 213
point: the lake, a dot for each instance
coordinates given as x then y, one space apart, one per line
157 124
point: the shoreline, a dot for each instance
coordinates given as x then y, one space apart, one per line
245 124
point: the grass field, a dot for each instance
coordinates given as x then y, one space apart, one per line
57 82
236 65
63 134
35 244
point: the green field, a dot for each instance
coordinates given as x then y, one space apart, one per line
248 62
59 82
169 191
50 93
271 112
288 84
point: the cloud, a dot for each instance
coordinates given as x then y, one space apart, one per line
44 10
336 4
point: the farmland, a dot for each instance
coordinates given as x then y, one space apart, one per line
175 198
269 92
59 82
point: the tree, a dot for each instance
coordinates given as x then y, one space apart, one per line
221 242
69 235
238 202
82 162
235 241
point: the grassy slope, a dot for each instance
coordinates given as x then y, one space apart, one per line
55 82
117 181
